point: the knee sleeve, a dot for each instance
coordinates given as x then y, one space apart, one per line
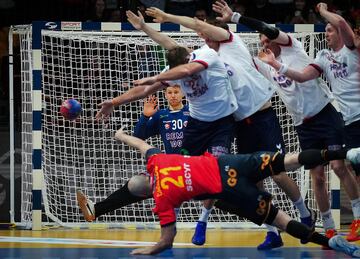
272 214
277 163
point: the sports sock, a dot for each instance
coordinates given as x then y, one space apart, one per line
272 229
300 205
205 213
328 221
355 205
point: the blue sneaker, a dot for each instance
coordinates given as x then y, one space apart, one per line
310 222
271 241
341 245
200 234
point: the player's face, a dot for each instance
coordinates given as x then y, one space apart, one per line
332 36
268 44
174 96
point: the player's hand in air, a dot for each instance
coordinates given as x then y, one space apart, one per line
267 56
321 7
221 7
150 106
106 108
357 38
158 15
136 20
145 81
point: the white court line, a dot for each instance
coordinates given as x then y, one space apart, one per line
73 241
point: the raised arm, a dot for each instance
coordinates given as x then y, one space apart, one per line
357 38
339 23
175 73
308 73
134 142
160 38
134 94
210 31
269 31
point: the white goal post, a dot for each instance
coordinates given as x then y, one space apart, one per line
92 62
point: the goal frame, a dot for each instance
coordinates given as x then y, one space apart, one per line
37 28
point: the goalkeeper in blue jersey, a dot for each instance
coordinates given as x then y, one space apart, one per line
169 122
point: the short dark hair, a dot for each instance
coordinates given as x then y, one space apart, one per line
217 23
177 56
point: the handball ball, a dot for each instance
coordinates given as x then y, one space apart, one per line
70 109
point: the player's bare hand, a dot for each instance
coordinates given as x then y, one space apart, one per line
357 38
136 20
150 106
321 7
120 134
142 251
158 15
145 81
221 7
267 56
106 108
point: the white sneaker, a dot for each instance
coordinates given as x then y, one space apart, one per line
87 206
341 245
353 155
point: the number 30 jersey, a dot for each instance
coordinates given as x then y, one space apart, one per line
177 178
169 124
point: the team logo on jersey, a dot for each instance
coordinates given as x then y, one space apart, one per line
339 70
197 85
164 116
167 126
185 123
283 81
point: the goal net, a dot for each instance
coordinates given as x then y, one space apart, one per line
82 155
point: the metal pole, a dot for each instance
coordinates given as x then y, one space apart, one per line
12 129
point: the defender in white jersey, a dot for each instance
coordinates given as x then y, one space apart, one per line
252 91
342 69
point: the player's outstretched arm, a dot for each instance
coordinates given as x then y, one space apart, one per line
175 73
138 22
212 32
166 241
269 31
132 141
308 73
357 38
339 23
134 94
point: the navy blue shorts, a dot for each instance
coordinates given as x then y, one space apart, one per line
352 140
324 130
260 131
215 137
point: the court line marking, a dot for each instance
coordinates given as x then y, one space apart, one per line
74 241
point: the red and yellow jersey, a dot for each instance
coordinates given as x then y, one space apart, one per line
177 178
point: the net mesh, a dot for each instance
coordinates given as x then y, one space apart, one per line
93 67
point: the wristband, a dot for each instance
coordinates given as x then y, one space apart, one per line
283 69
235 17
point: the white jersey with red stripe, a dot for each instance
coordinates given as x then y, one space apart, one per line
303 100
251 88
208 92
342 69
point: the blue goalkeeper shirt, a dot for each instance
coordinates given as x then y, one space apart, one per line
169 124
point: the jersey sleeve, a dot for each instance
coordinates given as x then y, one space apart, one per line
205 56
165 211
146 127
263 68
